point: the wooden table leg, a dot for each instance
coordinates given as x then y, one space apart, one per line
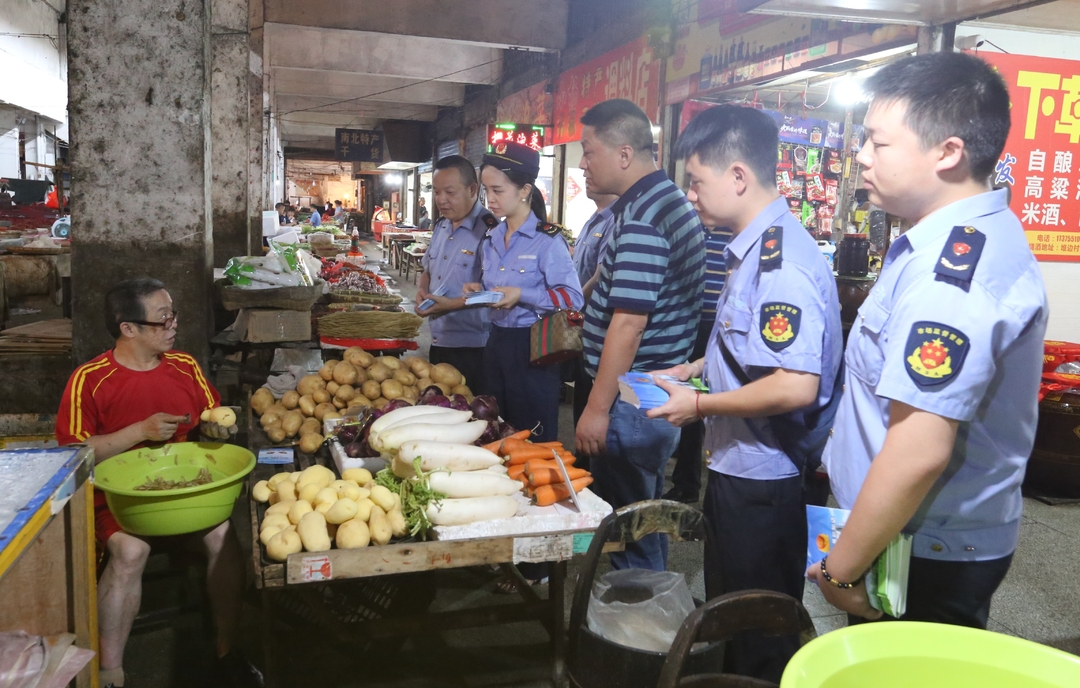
557 600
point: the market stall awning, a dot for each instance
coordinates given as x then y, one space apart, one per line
919 12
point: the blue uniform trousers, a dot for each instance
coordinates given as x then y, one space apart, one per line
526 394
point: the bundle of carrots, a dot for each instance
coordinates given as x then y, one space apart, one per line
533 463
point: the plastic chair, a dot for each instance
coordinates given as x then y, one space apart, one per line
724 617
597 662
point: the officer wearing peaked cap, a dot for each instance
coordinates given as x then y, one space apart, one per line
944 361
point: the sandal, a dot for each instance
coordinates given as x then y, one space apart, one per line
506 585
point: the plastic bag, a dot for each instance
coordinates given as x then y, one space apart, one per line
640 608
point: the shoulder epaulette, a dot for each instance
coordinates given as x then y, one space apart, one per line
549 228
772 246
961 254
489 220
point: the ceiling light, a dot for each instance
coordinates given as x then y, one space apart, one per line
848 91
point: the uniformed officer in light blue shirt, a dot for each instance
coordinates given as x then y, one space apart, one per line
944 361
458 334
771 364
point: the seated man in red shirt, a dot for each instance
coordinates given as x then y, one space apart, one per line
141 393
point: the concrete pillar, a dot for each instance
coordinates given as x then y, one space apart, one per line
258 199
230 108
139 102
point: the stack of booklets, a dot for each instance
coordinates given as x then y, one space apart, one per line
887 580
641 391
483 298
428 303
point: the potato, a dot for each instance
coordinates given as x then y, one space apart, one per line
276 433
361 377
297 511
326 495
406 378
392 389
360 475
260 492
359 400
353 492
344 373
261 400
283 544
291 423
310 443
307 405
446 389
420 368
322 409
359 357
308 384
338 404
410 394
383 497
372 389
342 510
279 508
310 425
321 396
378 372
345 393
266 534
294 476
389 361
380 402
268 418
327 371
276 478
363 508
398 526
423 383
446 374
205 415
352 534
308 492
331 415
317 474
464 391
379 526
351 353
290 399
223 415
279 520
323 508
332 388
286 490
312 530
274 499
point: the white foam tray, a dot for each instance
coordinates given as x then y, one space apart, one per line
534 520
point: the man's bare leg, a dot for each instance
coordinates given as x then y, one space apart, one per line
119 595
224 583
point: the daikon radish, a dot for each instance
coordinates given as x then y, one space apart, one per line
459 512
461 484
398 414
445 417
462 433
500 469
452 457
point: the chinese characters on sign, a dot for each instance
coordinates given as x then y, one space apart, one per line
358 145
628 72
525 134
1037 162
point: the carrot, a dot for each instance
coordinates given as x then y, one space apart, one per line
497 446
546 495
551 476
534 465
494 447
518 456
516 471
549 445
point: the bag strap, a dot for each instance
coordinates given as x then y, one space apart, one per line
566 297
554 301
732 364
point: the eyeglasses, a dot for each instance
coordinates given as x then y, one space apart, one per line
168 322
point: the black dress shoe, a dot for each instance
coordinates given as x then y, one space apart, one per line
239 672
677 494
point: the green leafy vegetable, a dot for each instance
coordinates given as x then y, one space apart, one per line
416 494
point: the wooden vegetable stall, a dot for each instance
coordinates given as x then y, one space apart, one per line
47 550
306 576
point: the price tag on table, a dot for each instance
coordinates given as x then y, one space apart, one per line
543 548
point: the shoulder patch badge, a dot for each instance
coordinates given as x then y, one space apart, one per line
961 254
772 245
935 353
549 228
780 324
489 220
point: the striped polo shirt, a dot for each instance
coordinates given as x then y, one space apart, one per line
716 240
654 264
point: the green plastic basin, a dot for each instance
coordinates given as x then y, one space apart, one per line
173 512
923 655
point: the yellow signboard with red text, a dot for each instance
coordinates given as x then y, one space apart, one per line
1041 160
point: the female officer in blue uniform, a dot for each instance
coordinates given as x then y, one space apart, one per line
528 260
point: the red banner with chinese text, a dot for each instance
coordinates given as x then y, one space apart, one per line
1038 160
629 72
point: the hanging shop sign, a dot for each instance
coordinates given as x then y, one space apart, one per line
629 72
532 105
530 135
804 131
1038 161
358 145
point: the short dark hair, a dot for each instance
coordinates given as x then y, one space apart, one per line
337 202
950 94
619 122
279 205
124 302
721 135
462 165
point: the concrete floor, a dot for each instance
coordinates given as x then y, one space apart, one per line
1039 600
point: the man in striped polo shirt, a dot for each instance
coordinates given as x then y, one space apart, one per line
643 314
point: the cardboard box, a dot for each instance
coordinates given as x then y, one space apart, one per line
271 325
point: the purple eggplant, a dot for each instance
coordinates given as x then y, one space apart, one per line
458 402
427 393
505 430
355 450
485 407
395 405
490 434
437 400
348 432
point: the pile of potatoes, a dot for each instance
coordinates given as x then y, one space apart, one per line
311 511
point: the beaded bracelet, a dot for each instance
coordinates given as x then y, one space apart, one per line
697 406
842 586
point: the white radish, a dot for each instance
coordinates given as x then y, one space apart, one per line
461 433
452 457
398 414
500 469
448 417
459 512
461 484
